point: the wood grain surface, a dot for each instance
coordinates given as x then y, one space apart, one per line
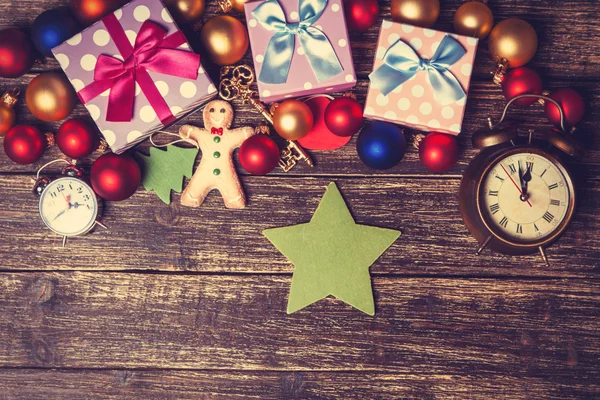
178 303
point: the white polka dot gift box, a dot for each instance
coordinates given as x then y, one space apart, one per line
135 72
420 78
299 47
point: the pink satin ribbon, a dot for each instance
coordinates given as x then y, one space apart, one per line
153 51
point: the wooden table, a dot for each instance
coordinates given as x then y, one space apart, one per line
178 303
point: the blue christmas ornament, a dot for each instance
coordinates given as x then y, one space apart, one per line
381 145
51 28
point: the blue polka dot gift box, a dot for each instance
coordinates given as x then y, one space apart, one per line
420 78
299 48
135 72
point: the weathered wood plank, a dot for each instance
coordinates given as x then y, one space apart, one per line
485 100
146 234
35 384
544 328
563 28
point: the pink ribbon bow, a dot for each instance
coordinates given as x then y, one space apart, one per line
216 131
152 51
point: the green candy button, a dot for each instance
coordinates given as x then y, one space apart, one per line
216 171
216 139
216 154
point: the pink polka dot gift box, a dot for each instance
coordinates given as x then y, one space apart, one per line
299 47
420 78
135 72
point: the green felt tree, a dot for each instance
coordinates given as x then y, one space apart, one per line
164 170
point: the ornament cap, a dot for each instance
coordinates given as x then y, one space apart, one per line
501 68
487 137
417 139
262 130
565 143
50 139
225 5
102 146
10 98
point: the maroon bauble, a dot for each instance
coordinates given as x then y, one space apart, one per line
77 138
521 80
344 116
361 14
572 105
438 152
115 177
89 11
16 53
259 154
24 144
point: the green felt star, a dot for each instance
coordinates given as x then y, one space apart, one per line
332 255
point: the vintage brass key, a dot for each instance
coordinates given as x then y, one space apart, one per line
236 84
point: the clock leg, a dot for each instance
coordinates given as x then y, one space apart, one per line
480 249
64 241
101 224
543 253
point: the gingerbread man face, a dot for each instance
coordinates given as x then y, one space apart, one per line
218 113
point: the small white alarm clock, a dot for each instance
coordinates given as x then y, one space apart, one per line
68 205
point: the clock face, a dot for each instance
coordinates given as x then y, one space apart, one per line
68 206
525 197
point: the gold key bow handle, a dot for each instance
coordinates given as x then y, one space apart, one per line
236 83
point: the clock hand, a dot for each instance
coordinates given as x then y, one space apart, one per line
526 178
515 183
59 214
523 185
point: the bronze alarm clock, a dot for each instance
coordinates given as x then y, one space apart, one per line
517 196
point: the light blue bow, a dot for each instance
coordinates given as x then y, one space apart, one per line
401 62
278 56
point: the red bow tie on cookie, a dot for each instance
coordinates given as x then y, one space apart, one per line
216 131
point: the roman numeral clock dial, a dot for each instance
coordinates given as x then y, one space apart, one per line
524 197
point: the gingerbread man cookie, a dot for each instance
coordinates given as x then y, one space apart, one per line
216 170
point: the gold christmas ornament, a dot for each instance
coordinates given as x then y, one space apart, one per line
185 11
422 13
50 96
474 19
513 41
292 119
225 39
7 111
228 5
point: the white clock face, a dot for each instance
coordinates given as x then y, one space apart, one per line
525 205
68 206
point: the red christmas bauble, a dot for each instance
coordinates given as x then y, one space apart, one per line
344 116
438 152
89 11
572 105
521 80
16 53
320 137
24 144
115 177
361 14
77 138
259 154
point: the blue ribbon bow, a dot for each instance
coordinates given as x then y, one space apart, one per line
278 56
401 62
